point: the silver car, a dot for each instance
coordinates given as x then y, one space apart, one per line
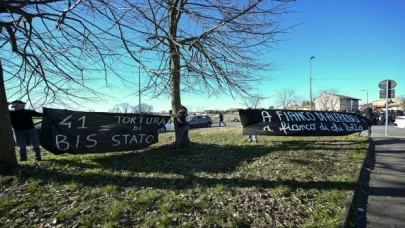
199 121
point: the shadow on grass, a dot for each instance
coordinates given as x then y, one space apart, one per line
139 169
207 158
189 181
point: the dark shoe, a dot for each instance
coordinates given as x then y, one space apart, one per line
23 160
38 159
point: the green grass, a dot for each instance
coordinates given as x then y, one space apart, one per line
223 181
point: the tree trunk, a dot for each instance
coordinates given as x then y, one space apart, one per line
8 159
174 67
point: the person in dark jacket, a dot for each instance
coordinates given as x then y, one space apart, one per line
24 130
184 127
368 116
221 119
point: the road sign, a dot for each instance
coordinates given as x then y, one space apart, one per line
383 94
391 84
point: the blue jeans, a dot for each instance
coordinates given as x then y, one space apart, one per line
32 137
183 131
252 137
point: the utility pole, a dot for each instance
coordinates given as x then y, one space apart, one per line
387 89
310 81
139 82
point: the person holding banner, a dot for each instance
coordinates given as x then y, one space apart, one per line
252 138
184 127
368 117
24 129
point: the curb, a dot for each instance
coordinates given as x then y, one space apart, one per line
349 200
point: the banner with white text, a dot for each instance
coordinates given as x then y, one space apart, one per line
65 131
300 123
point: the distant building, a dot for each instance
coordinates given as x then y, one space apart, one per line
336 102
398 104
233 110
298 107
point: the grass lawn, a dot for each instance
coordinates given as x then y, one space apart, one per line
223 181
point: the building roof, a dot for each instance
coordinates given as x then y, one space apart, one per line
340 96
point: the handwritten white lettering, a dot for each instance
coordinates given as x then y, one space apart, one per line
119 119
115 140
267 128
126 120
133 139
136 138
266 115
292 116
91 140
149 139
61 141
156 120
64 122
280 113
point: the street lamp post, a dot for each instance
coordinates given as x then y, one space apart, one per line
367 94
310 80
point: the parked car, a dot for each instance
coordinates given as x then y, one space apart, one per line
168 126
400 121
199 121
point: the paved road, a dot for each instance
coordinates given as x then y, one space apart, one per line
215 125
379 131
383 195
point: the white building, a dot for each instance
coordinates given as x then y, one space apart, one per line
336 102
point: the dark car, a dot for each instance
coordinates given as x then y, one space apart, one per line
199 121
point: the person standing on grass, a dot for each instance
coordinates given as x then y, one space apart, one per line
184 128
252 137
221 119
24 129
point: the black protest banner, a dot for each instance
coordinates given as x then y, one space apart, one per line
65 131
300 123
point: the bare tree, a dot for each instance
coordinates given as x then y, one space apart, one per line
200 108
145 108
286 97
115 109
328 99
53 50
125 107
253 101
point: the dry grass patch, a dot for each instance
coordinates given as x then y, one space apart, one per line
223 181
